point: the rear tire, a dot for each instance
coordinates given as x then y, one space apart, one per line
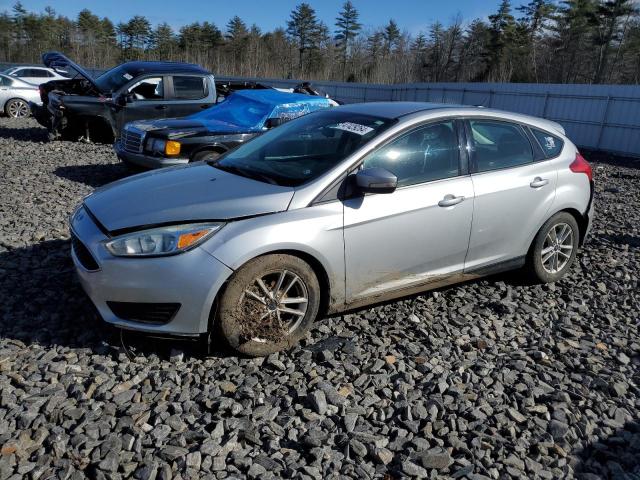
17 108
269 304
554 249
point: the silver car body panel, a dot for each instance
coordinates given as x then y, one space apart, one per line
367 249
18 89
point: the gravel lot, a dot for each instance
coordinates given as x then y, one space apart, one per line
491 379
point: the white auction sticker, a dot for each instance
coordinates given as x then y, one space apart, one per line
353 128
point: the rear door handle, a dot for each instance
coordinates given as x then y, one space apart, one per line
538 182
450 200
161 107
204 106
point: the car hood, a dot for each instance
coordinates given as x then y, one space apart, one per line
195 192
58 60
180 127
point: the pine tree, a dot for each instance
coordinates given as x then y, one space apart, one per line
391 36
303 28
347 28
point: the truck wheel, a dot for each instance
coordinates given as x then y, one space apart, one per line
207 156
17 108
269 304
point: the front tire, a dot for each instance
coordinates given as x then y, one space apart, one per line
17 108
269 304
554 249
207 156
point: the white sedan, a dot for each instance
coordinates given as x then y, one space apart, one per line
35 75
15 95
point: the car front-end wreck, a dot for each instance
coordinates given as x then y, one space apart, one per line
208 134
97 108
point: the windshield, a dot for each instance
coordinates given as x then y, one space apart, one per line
303 149
239 111
113 79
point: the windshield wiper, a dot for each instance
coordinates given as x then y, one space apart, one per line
244 173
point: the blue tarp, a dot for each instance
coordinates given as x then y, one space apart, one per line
248 110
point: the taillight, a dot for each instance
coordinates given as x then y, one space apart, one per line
580 165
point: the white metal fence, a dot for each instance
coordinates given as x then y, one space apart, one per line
599 117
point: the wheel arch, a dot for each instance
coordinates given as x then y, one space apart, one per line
316 265
214 147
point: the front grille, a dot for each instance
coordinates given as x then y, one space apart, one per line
155 313
131 140
83 254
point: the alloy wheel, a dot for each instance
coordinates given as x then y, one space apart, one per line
18 109
273 305
557 248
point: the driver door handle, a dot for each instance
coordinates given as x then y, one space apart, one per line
450 200
161 107
538 182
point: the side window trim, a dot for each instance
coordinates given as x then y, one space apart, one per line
538 152
474 169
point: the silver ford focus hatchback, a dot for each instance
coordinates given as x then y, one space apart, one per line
335 210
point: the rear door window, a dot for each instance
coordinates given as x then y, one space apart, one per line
551 145
498 145
188 87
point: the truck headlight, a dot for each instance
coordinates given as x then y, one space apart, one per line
161 241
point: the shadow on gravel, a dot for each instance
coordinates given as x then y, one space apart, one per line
32 134
617 456
622 239
43 303
611 159
93 175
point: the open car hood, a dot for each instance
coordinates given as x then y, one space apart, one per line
58 60
196 192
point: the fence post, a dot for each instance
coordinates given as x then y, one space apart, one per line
490 98
603 122
546 101
464 90
364 99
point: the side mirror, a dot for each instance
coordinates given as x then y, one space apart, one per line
376 180
273 122
124 98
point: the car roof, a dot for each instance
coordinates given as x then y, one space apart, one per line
394 109
274 97
397 110
140 67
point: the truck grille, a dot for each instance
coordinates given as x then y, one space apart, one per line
83 254
132 140
154 313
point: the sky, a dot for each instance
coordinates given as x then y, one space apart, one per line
411 15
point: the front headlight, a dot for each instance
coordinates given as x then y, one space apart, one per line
162 241
156 145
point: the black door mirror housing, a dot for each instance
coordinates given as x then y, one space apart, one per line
273 122
376 180
124 98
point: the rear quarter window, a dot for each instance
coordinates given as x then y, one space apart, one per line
188 88
550 144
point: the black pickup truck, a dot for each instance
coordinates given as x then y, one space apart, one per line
97 109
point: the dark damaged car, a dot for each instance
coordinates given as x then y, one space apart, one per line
208 134
98 108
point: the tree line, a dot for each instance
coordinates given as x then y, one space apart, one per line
543 41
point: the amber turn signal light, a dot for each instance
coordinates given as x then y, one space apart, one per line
172 147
